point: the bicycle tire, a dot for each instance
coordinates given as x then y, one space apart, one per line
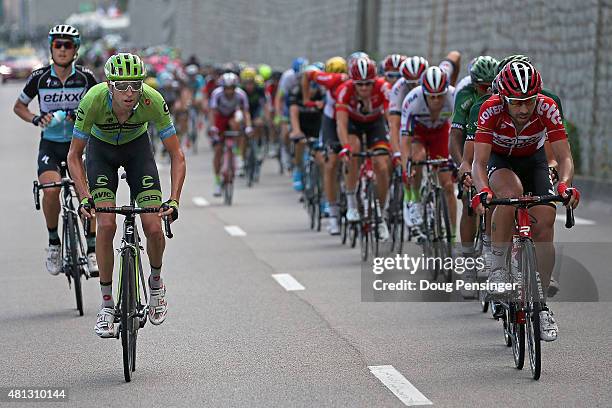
429 244
128 306
344 232
517 331
443 232
395 213
533 336
228 193
317 193
250 164
374 214
75 271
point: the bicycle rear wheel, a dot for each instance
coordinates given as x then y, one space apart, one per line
443 232
73 263
429 243
251 164
129 322
517 333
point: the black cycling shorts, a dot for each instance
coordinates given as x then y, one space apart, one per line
51 154
136 157
376 133
531 170
330 135
310 123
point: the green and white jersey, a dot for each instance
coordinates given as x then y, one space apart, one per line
95 117
464 100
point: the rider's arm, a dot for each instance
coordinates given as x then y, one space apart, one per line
21 110
561 150
482 151
342 118
76 167
177 166
306 86
294 115
456 137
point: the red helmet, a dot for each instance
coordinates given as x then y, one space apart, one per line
519 80
434 81
362 69
392 62
412 68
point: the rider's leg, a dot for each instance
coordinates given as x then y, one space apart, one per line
446 181
543 234
51 204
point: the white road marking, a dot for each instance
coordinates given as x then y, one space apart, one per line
399 385
235 231
577 220
200 202
288 282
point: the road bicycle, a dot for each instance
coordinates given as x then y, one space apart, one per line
74 256
521 308
131 311
311 178
228 165
436 228
395 211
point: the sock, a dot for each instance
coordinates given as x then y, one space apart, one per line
155 280
486 242
333 210
351 200
499 256
416 194
53 236
91 242
467 249
217 179
107 294
407 195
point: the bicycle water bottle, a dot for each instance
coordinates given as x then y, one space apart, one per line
58 118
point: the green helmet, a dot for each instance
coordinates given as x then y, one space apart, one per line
125 67
483 69
265 71
509 59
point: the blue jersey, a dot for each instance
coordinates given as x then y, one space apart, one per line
53 95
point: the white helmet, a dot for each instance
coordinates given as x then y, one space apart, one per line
65 31
229 79
413 67
434 81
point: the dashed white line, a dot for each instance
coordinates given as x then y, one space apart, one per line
577 220
288 282
399 385
200 202
235 231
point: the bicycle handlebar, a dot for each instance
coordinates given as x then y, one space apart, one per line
525 201
130 210
371 154
37 187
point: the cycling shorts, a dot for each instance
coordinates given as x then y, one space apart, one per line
136 157
330 134
434 140
531 170
51 154
310 123
375 131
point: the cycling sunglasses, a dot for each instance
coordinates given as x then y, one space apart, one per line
58 44
123 86
393 75
364 83
521 101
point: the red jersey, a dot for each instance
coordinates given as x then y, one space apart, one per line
362 110
331 81
495 127
210 87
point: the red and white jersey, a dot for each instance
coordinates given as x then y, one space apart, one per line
225 106
416 116
362 110
331 82
496 128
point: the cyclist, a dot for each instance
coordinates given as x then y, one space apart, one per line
228 110
331 79
426 114
305 117
195 82
391 68
112 121
271 86
450 64
482 73
360 107
509 161
257 99
411 70
281 105
59 87
468 151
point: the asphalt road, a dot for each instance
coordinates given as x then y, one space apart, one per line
235 336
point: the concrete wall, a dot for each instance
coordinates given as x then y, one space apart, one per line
569 41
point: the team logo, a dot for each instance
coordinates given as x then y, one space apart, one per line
147 181
102 180
166 110
147 101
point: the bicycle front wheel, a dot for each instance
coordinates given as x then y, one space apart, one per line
129 322
73 263
527 264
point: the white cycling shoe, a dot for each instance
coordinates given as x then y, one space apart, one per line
217 190
352 215
383 231
105 324
497 276
413 214
54 259
548 326
332 226
157 305
92 265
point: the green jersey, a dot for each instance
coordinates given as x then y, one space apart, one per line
475 110
463 102
95 117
